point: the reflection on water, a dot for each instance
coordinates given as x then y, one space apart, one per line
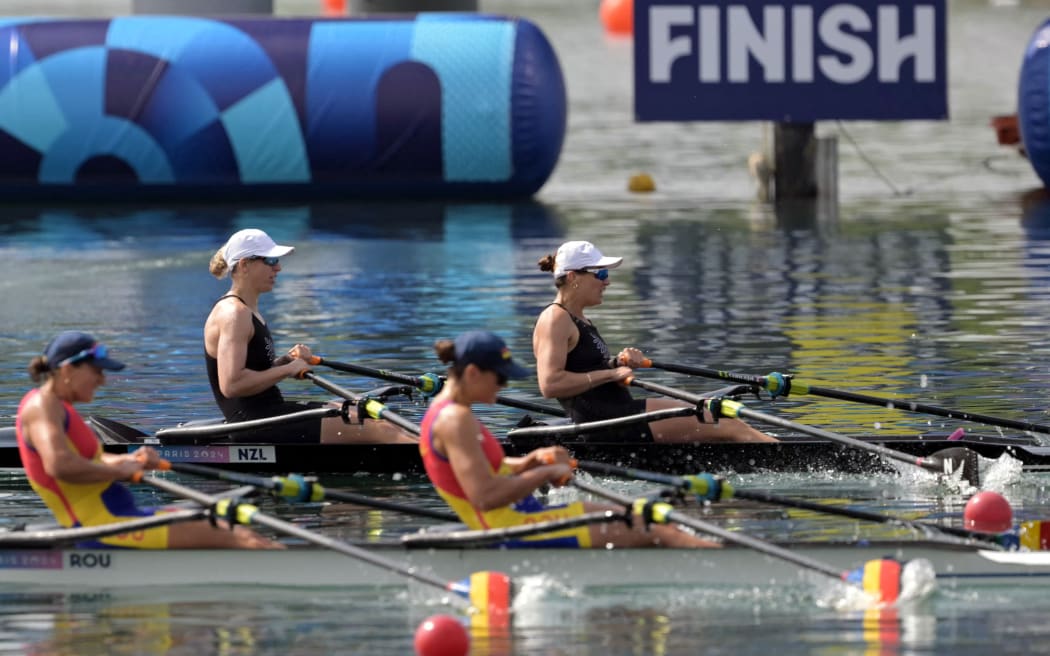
938 302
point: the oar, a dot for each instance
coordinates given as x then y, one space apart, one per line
880 578
369 406
712 488
488 592
297 488
430 384
602 424
779 384
949 462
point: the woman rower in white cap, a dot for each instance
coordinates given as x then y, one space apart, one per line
242 362
575 366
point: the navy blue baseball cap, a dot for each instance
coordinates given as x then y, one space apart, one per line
71 347
489 352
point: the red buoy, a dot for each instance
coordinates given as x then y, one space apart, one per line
441 635
988 512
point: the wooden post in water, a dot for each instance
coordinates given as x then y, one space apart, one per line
359 7
202 7
794 161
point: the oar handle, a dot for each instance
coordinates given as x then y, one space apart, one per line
162 465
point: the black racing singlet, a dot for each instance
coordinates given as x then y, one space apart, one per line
260 357
604 401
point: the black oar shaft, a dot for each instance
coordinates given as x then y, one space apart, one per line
717 531
602 424
730 408
727 491
281 526
370 407
279 484
424 383
430 384
923 408
529 405
801 387
740 411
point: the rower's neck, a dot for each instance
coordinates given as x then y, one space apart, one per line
249 296
573 307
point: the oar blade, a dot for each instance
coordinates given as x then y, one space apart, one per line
1035 535
955 462
490 593
879 578
889 581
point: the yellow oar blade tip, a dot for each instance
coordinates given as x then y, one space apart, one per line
441 635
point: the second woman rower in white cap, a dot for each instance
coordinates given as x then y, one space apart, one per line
575 366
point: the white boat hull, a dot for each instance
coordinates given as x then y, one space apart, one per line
731 566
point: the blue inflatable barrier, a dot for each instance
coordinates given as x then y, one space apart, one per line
432 106
1033 102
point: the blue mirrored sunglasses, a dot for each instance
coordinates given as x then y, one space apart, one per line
600 274
269 261
96 352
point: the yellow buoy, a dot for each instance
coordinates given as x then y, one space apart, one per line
641 183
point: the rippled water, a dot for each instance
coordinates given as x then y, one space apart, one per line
927 279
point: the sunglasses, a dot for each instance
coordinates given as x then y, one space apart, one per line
600 274
96 352
268 261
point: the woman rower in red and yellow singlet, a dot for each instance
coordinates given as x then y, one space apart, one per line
485 488
67 467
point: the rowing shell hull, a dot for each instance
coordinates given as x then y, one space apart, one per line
791 455
730 566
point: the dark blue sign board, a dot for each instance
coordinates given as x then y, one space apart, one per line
793 61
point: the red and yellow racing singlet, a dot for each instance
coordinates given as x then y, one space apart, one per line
527 511
85 504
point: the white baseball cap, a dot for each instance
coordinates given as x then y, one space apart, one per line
576 255
251 242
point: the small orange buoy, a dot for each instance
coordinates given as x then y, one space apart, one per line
641 183
617 16
333 7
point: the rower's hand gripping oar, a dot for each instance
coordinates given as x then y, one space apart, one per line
956 461
779 384
879 578
489 593
430 384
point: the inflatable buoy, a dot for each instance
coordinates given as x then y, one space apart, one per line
434 105
617 16
1033 102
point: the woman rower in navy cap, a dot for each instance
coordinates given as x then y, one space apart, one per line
65 463
487 489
